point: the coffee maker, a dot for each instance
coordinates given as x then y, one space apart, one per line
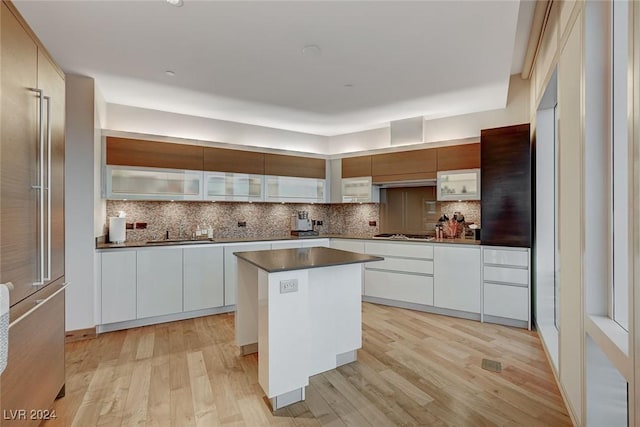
301 225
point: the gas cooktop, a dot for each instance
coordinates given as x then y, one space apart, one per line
404 236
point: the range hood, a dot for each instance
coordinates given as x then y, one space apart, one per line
407 183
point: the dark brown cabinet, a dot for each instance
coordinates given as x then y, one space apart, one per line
32 118
506 186
456 157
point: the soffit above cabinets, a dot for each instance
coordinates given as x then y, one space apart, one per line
243 61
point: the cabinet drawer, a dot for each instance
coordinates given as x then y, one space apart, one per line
506 257
348 245
398 286
506 275
403 265
511 302
399 249
35 371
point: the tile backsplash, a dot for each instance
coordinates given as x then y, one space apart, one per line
470 210
262 219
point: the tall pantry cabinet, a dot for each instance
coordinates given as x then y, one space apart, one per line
32 92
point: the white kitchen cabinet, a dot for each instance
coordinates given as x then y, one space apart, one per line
233 186
138 183
457 278
459 185
506 285
203 277
295 190
159 282
118 286
315 243
413 288
231 265
350 245
359 190
286 244
405 274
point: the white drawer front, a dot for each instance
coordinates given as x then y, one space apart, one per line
506 257
403 265
413 250
400 287
348 245
506 275
511 302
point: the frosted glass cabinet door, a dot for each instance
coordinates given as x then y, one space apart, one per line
137 183
293 189
233 186
355 190
459 185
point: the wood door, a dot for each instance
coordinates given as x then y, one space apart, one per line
302 167
138 152
420 210
18 158
53 85
237 161
392 210
356 167
466 156
404 165
506 186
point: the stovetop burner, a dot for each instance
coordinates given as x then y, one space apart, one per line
403 236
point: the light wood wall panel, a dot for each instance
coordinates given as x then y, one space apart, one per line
137 152
304 167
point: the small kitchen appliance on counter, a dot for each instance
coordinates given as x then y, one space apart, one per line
118 228
301 225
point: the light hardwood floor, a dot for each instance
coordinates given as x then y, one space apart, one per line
414 369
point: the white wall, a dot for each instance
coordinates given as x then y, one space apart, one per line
153 122
79 202
446 129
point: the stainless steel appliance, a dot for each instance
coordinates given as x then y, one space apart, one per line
301 225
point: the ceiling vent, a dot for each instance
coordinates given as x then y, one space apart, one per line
407 131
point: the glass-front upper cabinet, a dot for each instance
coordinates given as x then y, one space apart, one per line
295 190
233 187
359 190
459 185
138 183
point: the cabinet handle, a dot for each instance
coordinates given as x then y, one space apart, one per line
39 303
40 185
47 276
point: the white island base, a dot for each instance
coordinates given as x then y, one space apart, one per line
298 331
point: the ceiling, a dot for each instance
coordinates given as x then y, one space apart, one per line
243 61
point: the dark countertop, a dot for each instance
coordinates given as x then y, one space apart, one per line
275 260
158 243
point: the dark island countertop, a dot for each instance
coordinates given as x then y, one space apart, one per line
275 260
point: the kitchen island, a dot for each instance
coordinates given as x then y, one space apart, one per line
300 309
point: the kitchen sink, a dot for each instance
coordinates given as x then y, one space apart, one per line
177 242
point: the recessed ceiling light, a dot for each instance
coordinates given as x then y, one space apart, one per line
176 3
349 85
170 73
311 50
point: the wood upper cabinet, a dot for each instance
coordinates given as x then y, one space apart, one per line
136 152
404 165
303 167
356 167
455 157
237 161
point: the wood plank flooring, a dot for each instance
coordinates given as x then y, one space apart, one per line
415 369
